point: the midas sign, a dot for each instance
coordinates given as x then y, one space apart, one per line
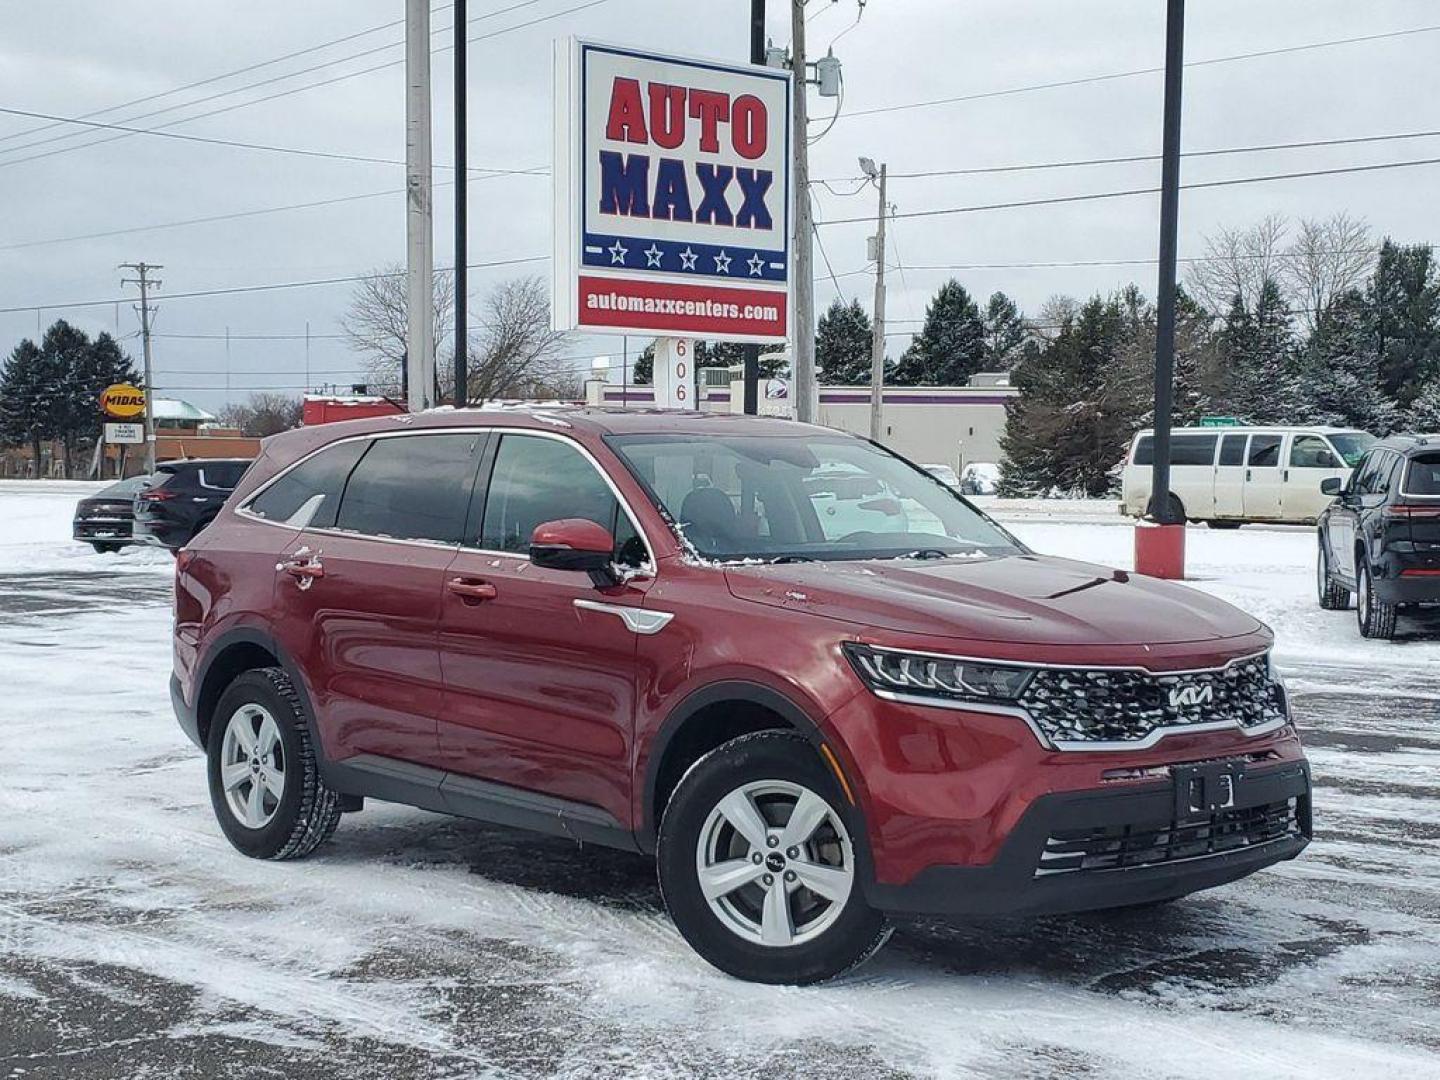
122 401
672 195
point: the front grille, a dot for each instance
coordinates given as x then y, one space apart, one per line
1125 847
1096 705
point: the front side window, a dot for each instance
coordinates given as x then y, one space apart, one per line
1423 477
413 487
1351 446
1264 451
535 480
309 494
804 497
1312 452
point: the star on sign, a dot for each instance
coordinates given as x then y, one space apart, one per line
687 259
756 264
722 263
652 255
618 251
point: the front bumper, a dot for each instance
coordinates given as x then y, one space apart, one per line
1083 850
164 534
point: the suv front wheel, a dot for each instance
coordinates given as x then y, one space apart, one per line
758 867
265 783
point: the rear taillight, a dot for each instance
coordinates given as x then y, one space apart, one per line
1420 573
156 495
1409 513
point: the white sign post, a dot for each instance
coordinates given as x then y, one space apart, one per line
125 433
672 199
675 373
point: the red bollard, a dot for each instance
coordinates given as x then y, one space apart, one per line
1160 550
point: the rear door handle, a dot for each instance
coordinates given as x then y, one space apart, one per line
470 591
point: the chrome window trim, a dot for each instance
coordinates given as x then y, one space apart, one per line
1084 746
243 510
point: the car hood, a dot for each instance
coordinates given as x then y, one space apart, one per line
1023 599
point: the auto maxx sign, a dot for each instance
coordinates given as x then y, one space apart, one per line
672 195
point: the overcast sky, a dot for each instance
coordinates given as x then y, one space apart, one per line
67 58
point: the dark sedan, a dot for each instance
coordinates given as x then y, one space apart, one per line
1380 538
104 521
184 497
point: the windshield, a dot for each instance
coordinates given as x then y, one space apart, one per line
1351 445
808 497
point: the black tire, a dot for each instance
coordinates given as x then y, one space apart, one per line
849 938
307 811
1333 597
104 549
1217 523
1377 618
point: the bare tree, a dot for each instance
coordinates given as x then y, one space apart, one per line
1054 314
375 325
515 355
1238 262
1327 259
263 414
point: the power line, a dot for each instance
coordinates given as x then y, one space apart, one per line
1086 80
159 129
1137 158
237 90
1099 195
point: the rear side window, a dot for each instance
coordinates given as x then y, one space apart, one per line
535 480
1232 450
222 474
414 487
1145 450
1192 450
1265 450
309 494
1424 475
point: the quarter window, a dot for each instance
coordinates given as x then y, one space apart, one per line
1424 475
415 487
1232 450
1264 451
309 494
535 480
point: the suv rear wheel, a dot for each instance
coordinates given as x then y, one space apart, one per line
1377 618
758 867
265 783
1332 597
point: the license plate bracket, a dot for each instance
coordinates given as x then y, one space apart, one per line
1207 788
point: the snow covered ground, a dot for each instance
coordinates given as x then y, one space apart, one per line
134 942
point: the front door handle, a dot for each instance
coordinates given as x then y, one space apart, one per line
306 569
1247 474
471 591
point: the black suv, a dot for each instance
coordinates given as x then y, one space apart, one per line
1380 538
103 520
183 498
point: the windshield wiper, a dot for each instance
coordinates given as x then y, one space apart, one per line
930 553
780 559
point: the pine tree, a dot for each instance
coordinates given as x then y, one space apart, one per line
1005 332
1424 417
950 346
27 389
1339 370
1258 359
843 341
1404 297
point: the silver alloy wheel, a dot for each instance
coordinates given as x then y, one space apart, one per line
252 766
775 863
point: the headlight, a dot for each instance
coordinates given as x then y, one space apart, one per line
946 679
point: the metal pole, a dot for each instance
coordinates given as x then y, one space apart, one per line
1160 508
462 334
877 335
419 237
142 278
802 352
751 354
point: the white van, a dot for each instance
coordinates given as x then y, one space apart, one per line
1226 476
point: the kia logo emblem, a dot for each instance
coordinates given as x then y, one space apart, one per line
1191 695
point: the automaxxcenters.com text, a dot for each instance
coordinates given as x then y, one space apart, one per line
658 305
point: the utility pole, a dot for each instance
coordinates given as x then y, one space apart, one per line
462 333
877 333
419 212
751 353
802 354
142 278
1169 227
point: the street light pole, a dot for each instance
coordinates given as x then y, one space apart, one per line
1169 228
802 260
462 244
877 333
146 283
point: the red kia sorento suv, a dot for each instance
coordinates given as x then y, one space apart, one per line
813 681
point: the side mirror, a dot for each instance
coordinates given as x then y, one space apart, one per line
1332 485
575 544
